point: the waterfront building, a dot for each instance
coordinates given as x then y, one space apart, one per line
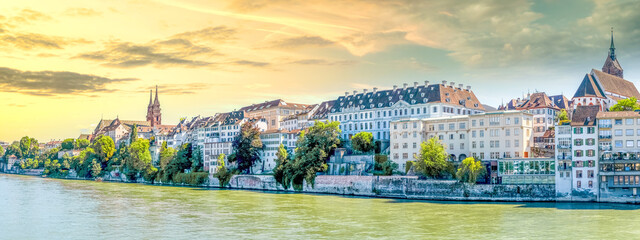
273 112
527 171
271 140
619 162
486 136
374 111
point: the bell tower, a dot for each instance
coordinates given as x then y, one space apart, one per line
154 114
611 65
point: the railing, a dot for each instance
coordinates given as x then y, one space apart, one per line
604 125
563 157
564 146
603 148
604 136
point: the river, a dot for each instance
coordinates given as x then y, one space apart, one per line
42 208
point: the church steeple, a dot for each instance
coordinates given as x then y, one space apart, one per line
150 97
154 114
156 102
611 65
612 48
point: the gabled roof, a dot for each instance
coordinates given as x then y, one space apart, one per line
322 111
585 115
589 88
560 101
274 103
537 100
617 85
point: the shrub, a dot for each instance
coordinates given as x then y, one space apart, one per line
192 178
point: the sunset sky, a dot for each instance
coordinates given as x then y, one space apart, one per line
64 64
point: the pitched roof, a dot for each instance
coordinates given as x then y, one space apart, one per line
434 93
537 100
549 133
560 101
323 109
615 84
585 115
589 88
274 103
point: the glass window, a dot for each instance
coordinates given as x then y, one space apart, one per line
618 122
629 143
628 121
618 143
618 132
628 132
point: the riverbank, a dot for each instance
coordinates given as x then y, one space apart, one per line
398 187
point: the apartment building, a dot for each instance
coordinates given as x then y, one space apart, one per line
273 112
619 162
271 140
374 111
487 136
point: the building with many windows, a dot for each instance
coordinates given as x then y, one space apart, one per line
619 162
271 140
273 112
373 111
487 136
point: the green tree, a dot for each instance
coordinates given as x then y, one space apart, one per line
432 159
139 159
179 163
1 151
28 147
133 136
313 149
96 169
68 144
247 147
383 166
104 148
629 104
470 170
82 143
362 142
563 116
13 149
222 173
197 162
279 170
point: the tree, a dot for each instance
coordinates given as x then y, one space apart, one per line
197 163
139 159
1 151
563 116
104 148
432 159
222 173
13 149
246 147
383 166
96 169
68 144
279 170
167 154
312 151
28 147
82 143
362 142
134 134
470 170
629 104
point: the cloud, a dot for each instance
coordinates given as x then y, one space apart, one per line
173 52
28 41
182 88
27 16
180 50
83 12
50 83
16 105
250 63
219 33
315 61
303 41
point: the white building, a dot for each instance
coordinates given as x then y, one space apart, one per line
487 136
271 140
373 111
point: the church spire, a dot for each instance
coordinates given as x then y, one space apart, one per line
612 48
150 96
156 102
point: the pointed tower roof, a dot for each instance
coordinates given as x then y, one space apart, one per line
612 48
156 102
150 96
611 65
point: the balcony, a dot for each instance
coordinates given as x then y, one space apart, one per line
565 157
604 125
564 146
604 136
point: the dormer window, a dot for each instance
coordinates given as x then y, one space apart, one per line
446 94
447 100
413 101
425 100
370 100
410 95
421 94
389 98
475 105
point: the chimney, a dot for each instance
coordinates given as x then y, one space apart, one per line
364 90
395 86
355 92
469 87
444 82
452 84
375 89
461 86
415 84
346 94
426 83
404 85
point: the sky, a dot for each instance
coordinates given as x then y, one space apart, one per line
66 64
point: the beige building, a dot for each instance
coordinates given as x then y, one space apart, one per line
487 136
273 111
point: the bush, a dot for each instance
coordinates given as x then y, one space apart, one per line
383 166
408 166
193 178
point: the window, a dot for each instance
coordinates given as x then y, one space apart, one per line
628 121
473 133
629 143
481 122
590 174
578 130
481 144
516 143
473 123
452 126
591 152
507 132
591 130
516 120
451 136
473 144
577 142
578 153
628 132
618 122
507 143
415 145
441 127
578 173
462 146
618 132
462 125
578 184
450 146
591 184
481 133
462 136
618 143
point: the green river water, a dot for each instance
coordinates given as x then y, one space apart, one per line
40 208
